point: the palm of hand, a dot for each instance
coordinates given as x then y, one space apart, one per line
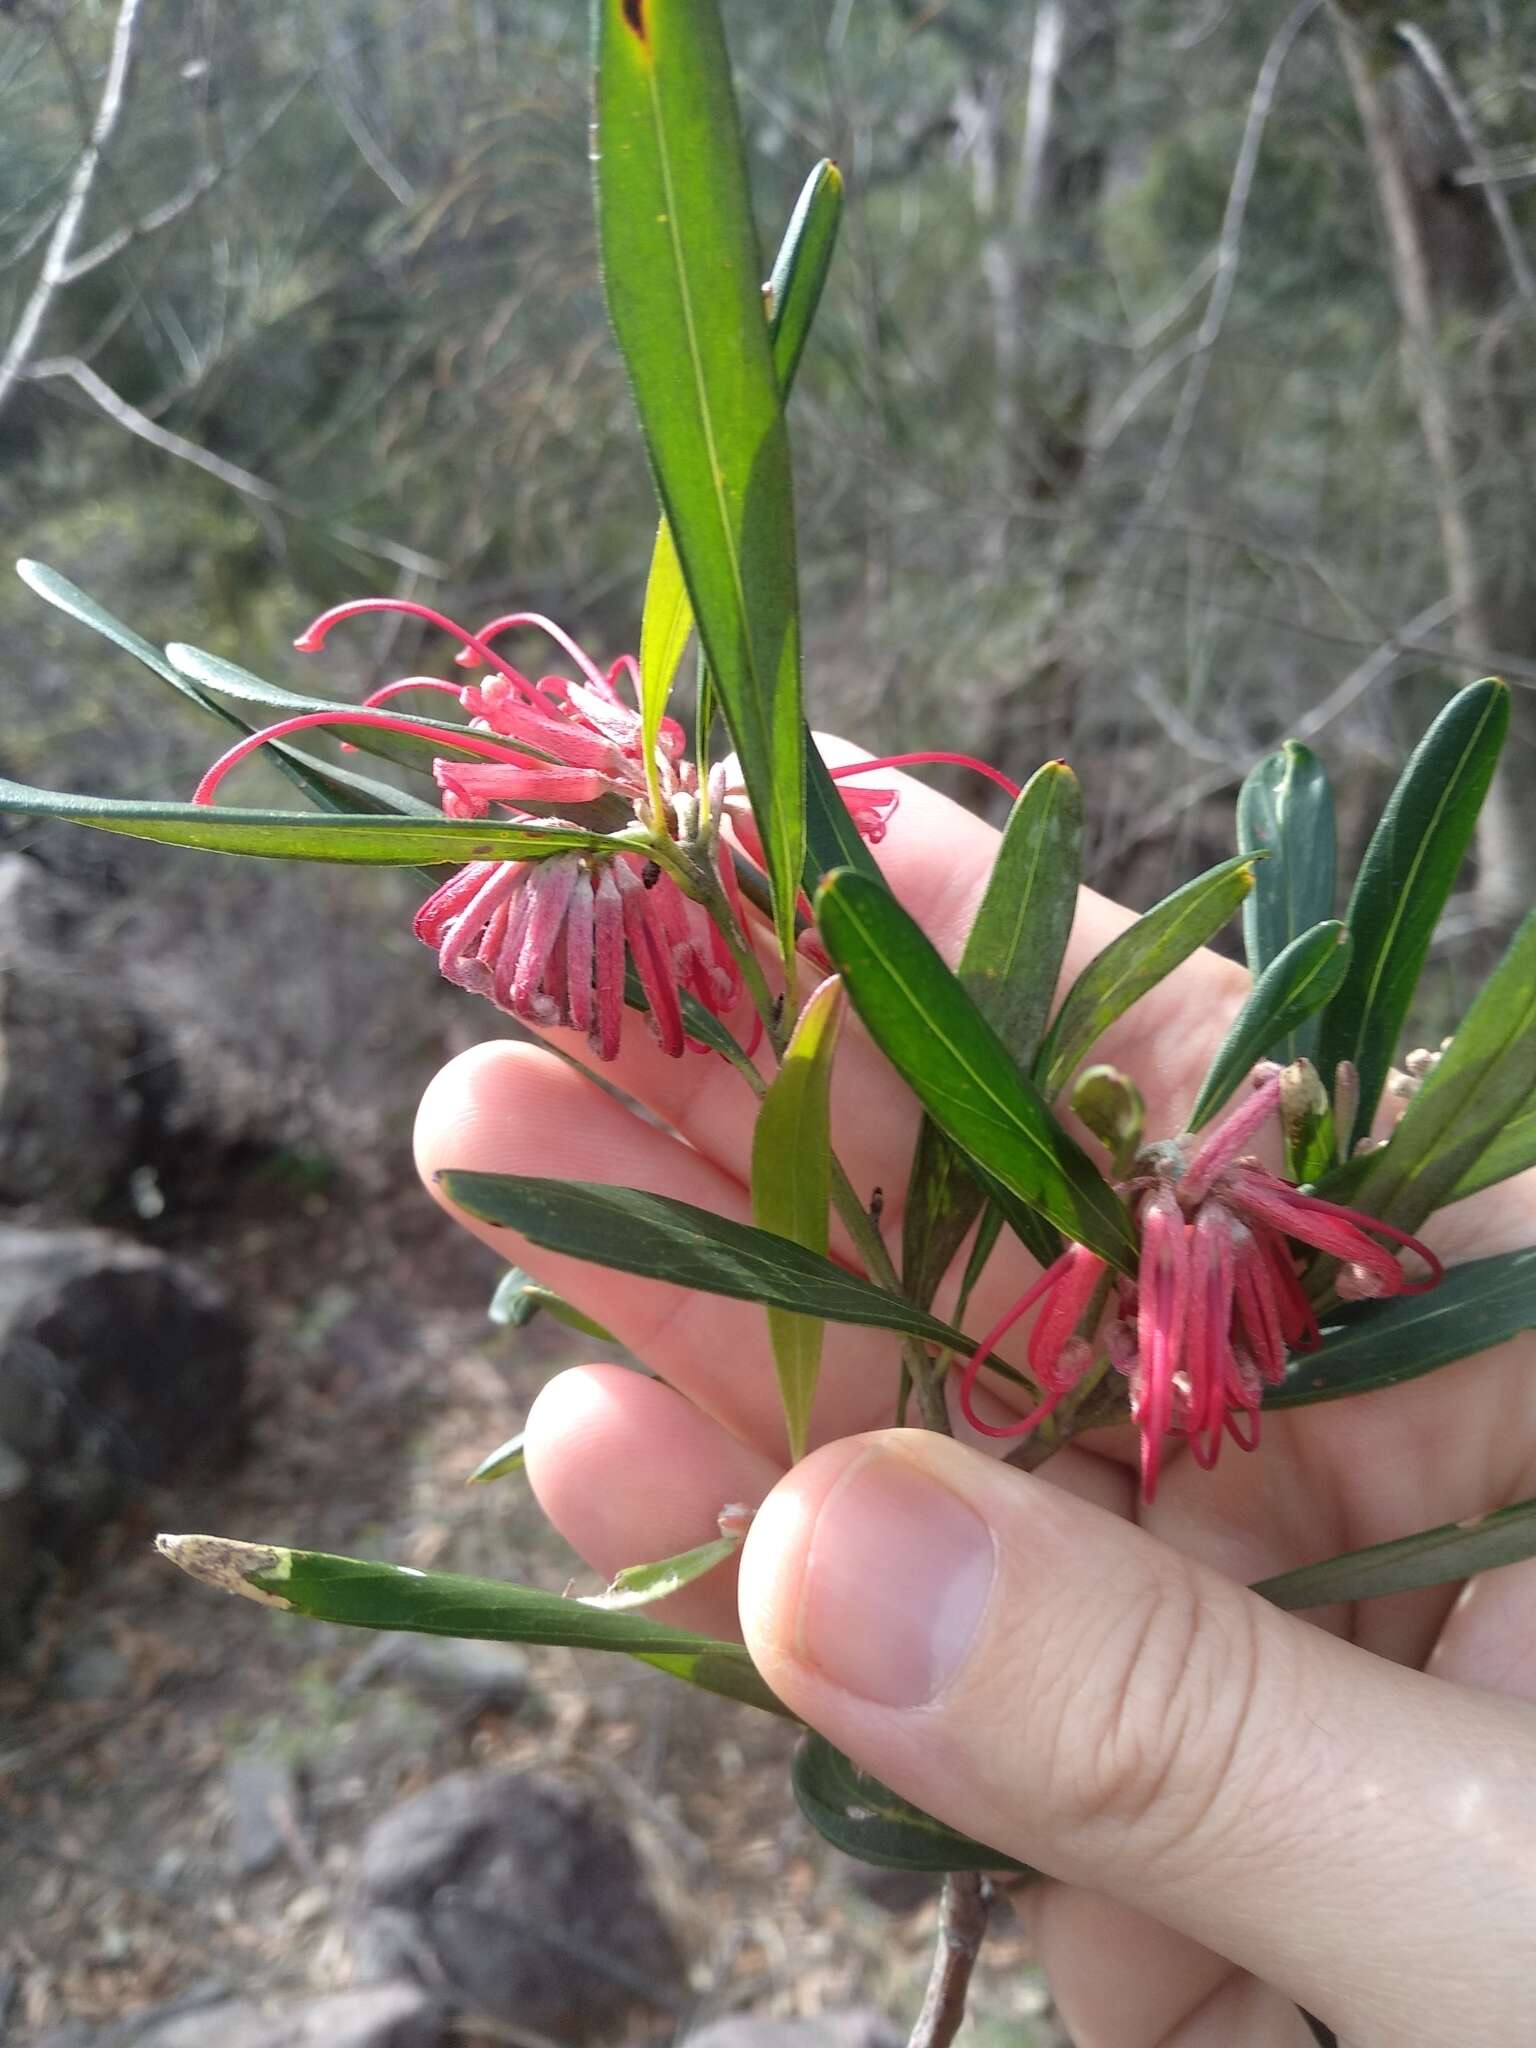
1328 1478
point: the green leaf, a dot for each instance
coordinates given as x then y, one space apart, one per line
1512 1151
633 1232
1432 1557
1294 986
362 1594
791 1188
960 1070
1372 1344
799 272
637 1585
303 835
1136 962
1009 967
831 838
519 1298
858 1815
1285 810
1404 880
217 677
683 277
507 1457
1484 1079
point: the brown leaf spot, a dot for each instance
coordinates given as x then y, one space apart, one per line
634 16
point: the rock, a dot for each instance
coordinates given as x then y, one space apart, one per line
468 1676
861 2028
117 1364
261 1788
514 1897
377 2016
69 1107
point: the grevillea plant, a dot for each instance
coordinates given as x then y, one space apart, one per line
597 869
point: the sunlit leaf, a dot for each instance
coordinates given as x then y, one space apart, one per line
858 1815
1512 1151
957 1066
791 1188
1432 1557
1009 966
683 276
506 1458
1285 810
1294 987
1134 963
1404 880
1372 1344
304 835
639 1585
362 1594
1484 1079
634 1232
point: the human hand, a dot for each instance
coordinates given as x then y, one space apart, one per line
1242 1810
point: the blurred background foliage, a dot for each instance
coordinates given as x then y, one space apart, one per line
1171 391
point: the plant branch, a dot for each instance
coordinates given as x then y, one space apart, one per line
56 256
963 1913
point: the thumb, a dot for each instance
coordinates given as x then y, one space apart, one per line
1065 1688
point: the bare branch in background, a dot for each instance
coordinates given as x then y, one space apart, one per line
256 488
1433 65
67 226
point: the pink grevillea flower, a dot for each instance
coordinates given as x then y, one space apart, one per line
1216 1302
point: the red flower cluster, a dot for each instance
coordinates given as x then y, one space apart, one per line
1216 1302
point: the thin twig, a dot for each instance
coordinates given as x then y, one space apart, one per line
964 1908
118 410
67 226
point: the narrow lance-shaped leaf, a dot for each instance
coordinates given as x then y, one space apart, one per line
1285 810
507 1457
860 1816
1484 1079
1404 880
683 277
630 1231
959 1069
304 835
799 272
1512 1151
1135 962
1294 986
519 1298
362 1594
791 1188
1432 1557
1372 1344
1009 966
639 1585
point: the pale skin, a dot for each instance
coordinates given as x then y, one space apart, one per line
1238 1810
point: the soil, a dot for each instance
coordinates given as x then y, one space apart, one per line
378 1385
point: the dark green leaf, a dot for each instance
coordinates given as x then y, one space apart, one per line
362 1594
1404 880
1484 1079
1512 1151
1294 986
684 283
792 1187
1373 1344
858 1815
633 1232
1136 962
507 1457
302 835
1433 1557
831 838
1009 966
1285 810
960 1070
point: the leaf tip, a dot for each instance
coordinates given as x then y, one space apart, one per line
230 1567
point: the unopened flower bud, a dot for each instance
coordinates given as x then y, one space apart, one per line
1110 1104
